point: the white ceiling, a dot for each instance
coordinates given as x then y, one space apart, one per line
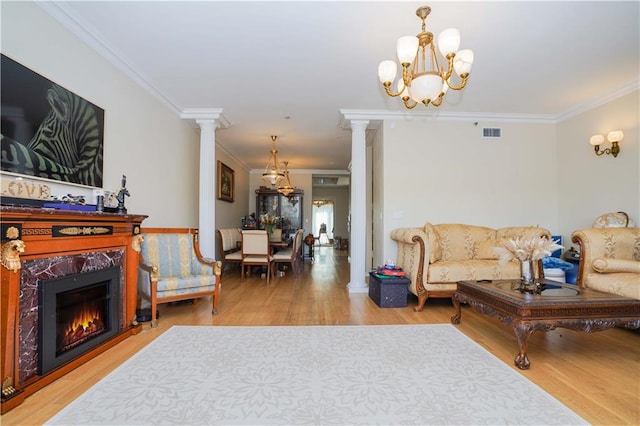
288 68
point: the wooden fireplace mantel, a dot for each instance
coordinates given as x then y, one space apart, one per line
29 234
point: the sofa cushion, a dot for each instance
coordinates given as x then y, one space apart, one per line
485 250
435 253
512 232
183 285
616 265
472 270
458 242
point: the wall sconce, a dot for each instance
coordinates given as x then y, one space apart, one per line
614 137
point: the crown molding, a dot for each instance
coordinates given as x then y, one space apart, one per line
325 172
377 116
61 13
614 94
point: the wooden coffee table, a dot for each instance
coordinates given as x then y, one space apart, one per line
557 305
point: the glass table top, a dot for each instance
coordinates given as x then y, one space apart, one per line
547 288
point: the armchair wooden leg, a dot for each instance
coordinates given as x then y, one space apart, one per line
154 304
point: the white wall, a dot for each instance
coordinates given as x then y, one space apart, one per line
591 185
445 172
229 215
143 139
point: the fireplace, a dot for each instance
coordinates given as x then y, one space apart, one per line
77 312
57 246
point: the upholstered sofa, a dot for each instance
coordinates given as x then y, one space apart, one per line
436 257
609 260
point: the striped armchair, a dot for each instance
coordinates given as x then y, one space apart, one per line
172 268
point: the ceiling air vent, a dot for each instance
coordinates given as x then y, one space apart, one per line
491 132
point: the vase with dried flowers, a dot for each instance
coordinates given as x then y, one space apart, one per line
269 222
527 251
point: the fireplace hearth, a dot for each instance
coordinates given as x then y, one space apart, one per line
77 313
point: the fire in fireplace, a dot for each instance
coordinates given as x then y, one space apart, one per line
78 312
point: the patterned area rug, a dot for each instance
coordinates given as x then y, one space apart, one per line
328 375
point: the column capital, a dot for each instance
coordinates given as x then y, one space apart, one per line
206 115
359 125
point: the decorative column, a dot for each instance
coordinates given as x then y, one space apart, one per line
207 190
208 120
358 235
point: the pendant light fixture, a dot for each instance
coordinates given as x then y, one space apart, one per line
272 173
286 189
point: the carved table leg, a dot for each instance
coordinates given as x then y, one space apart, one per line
455 319
523 331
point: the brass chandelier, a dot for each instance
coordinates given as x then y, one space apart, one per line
272 173
423 79
286 189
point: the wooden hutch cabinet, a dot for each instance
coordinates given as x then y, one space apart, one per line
288 209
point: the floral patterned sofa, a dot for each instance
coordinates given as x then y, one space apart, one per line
436 257
609 260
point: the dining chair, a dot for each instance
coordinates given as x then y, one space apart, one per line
289 255
255 250
276 234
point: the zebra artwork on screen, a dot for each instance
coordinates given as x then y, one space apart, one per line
48 131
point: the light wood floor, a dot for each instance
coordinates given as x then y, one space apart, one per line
597 375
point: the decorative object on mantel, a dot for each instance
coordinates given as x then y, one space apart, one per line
614 137
527 251
426 82
272 173
121 194
286 189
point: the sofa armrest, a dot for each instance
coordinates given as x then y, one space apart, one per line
413 256
411 236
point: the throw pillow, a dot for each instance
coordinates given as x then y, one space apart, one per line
616 265
484 250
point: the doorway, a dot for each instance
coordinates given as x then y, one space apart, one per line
323 221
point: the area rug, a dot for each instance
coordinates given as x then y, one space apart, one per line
324 375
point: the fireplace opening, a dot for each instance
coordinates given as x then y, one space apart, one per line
77 313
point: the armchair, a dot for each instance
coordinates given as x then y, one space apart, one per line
609 260
172 268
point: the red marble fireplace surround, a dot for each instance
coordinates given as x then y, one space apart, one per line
58 243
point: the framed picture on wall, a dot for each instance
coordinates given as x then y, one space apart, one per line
226 182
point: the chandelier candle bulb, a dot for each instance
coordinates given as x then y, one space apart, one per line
387 71
449 41
407 49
